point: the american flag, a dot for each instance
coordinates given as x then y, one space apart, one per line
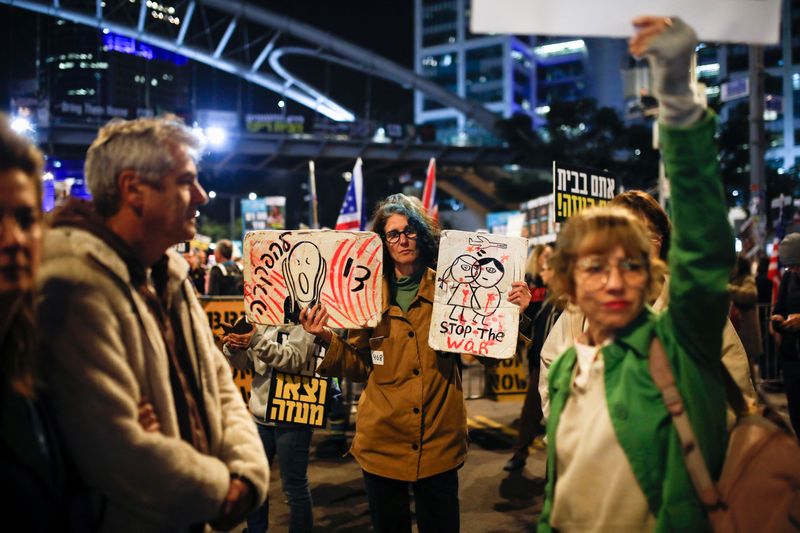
774 272
429 192
351 214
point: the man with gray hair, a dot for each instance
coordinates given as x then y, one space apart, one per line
147 403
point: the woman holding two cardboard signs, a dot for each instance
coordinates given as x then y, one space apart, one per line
411 426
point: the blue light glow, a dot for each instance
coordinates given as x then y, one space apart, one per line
127 45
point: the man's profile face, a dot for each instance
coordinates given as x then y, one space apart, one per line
169 208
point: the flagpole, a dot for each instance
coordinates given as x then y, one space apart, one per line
312 185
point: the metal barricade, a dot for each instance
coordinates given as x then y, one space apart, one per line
769 367
473 380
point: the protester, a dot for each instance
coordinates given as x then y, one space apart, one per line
744 313
411 424
572 322
530 420
785 324
533 267
32 467
614 459
288 349
197 273
225 278
124 326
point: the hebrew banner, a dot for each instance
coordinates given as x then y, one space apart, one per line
297 399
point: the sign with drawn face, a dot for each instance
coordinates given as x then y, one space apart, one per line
287 271
471 311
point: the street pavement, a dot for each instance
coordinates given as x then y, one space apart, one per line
492 500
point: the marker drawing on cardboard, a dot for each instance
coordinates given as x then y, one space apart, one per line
471 312
287 271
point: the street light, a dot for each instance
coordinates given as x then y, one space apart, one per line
216 136
21 125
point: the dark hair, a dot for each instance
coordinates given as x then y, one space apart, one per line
644 205
225 248
486 260
427 229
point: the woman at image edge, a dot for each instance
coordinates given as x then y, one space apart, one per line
411 427
614 459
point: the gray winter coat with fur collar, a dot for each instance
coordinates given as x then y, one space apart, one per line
103 353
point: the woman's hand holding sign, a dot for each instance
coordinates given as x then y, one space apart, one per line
314 320
520 294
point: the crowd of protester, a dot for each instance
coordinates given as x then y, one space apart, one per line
124 415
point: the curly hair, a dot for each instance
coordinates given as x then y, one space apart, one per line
427 229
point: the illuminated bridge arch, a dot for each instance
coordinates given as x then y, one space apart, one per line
225 40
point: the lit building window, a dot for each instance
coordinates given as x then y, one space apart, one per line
562 48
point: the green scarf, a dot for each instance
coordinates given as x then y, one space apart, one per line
405 289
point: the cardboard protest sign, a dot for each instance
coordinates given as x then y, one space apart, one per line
227 309
299 398
507 380
745 21
471 312
287 271
576 188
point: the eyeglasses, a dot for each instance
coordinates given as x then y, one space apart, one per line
393 236
595 271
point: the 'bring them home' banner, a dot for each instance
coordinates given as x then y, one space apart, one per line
576 188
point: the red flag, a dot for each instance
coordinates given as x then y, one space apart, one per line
773 272
429 192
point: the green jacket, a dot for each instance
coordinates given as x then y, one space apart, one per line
700 258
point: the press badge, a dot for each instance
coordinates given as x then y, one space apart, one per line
377 357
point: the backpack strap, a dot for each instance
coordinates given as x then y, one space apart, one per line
692 456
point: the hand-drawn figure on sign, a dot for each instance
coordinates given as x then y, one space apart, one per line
485 294
304 271
288 271
459 277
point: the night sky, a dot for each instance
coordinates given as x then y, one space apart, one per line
385 28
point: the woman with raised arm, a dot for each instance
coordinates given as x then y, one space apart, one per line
614 458
411 427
